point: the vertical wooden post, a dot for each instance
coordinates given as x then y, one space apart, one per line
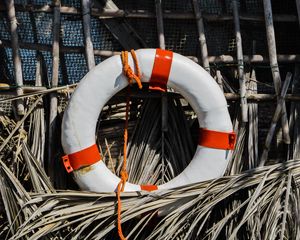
202 38
298 10
89 50
53 96
15 53
274 65
238 37
160 25
253 117
164 100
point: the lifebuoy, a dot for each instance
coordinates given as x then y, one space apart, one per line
161 68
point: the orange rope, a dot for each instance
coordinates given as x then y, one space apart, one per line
128 72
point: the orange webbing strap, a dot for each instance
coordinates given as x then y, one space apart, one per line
149 188
124 175
85 157
161 70
215 139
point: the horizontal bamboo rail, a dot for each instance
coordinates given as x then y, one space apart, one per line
96 12
34 91
282 58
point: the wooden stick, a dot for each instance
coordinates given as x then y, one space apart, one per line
253 117
160 25
282 58
89 50
202 38
293 151
219 79
53 96
298 10
18 75
164 99
276 116
242 80
259 97
274 65
96 12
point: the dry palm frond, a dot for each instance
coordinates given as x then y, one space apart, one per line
260 203
194 217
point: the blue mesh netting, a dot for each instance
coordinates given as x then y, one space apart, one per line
34 2
28 58
8 53
4 27
43 22
181 36
72 30
72 3
76 67
252 6
149 33
253 33
220 38
25 29
177 6
99 59
102 39
48 62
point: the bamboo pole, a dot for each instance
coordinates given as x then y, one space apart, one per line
53 96
160 25
282 58
164 99
202 38
276 116
258 97
104 14
298 10
18 75
274 64
89 50
253 117
238 37
219 79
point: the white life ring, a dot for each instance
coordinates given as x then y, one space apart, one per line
106 79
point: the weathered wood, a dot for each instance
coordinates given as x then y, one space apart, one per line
53 96
89 49
107 13
160 25
274 64
253 157
259 97
18 75
282 58
298 10
202 38
242 80
219 79
164 98
276 117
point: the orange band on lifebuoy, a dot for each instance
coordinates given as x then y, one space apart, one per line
215 139
149 188
161 70
85 157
